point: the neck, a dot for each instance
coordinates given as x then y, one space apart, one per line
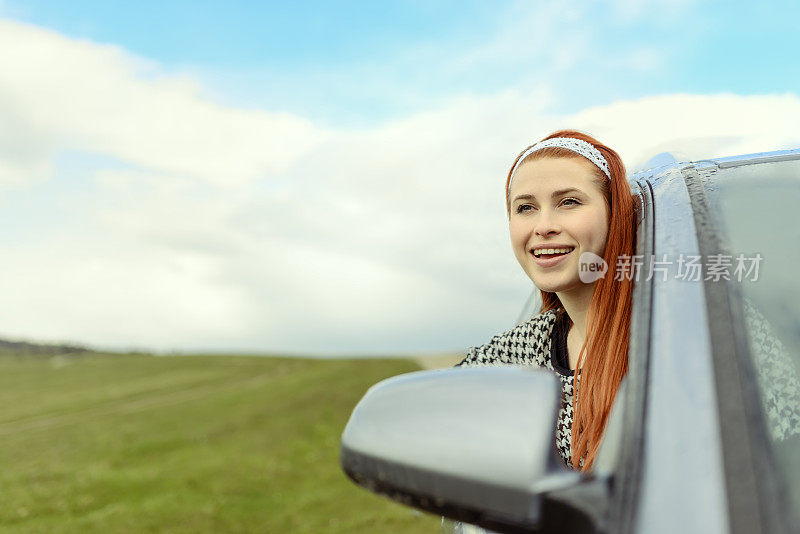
576 303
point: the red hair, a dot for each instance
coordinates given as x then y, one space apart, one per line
609 317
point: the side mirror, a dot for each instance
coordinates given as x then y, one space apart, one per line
476 444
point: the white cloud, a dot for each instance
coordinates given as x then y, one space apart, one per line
699 126
210 227
83 96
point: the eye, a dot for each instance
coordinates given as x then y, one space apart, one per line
572 202
522 208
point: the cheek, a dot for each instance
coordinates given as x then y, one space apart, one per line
519 241
518 233
602 239
602 245
595 231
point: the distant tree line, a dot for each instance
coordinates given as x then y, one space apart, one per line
39 349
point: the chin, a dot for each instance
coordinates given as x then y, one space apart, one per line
556 286
549 286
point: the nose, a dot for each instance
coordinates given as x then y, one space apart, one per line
546 224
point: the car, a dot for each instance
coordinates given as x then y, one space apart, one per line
704 434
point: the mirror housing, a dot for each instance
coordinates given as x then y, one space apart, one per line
473 444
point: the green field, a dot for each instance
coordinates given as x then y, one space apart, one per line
113 443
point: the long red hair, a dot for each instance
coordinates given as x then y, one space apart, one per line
609 316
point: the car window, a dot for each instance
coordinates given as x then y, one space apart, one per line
757 208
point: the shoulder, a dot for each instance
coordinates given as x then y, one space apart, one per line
528 343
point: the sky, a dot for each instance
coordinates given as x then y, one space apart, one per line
327 178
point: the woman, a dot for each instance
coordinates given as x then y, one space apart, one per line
569 202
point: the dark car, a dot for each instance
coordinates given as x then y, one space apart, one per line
704 436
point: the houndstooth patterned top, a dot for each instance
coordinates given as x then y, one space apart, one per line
531 343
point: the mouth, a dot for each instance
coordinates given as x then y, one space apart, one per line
549 253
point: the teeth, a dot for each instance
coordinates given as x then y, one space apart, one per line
540 251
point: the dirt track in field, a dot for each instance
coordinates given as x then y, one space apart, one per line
438 361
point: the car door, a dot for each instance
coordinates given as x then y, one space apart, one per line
707 462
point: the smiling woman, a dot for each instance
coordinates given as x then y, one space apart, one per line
570 207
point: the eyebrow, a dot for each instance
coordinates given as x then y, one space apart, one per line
554 195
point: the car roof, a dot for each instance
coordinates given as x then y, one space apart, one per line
666 160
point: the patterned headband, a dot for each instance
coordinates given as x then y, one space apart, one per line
579 146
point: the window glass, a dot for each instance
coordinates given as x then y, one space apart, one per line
758 210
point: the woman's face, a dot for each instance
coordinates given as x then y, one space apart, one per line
555 203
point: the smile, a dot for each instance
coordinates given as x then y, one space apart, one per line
548 257
551 252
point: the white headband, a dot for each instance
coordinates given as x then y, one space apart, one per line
579 146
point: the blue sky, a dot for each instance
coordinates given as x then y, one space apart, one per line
357 63
316 177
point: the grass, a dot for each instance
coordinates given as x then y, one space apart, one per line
112 443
